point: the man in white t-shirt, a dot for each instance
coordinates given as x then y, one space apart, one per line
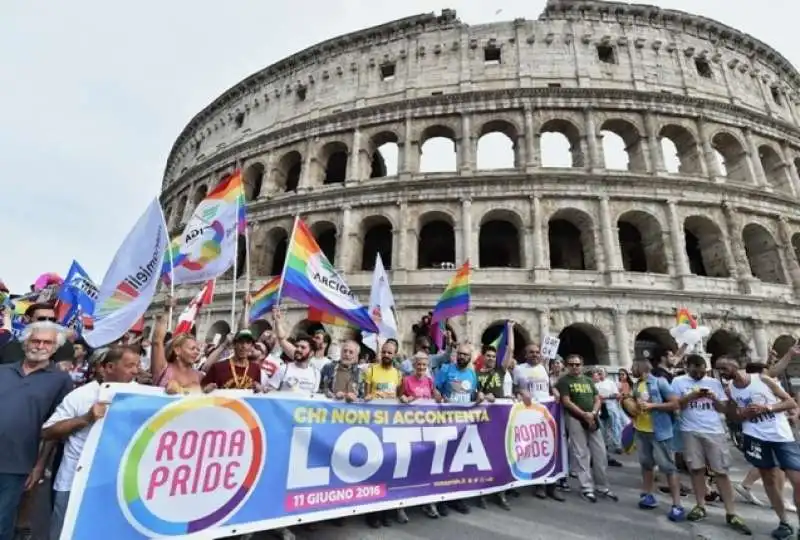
300 375
316 357
705 444
531 380
73 419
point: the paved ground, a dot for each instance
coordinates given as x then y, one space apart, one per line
533 519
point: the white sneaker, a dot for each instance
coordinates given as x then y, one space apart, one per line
746 494
402 517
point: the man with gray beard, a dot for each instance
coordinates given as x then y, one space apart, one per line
30 391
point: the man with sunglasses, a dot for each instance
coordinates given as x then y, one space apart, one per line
12 352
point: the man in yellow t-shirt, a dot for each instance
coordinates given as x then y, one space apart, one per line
383 380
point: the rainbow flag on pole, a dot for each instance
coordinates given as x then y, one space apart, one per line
501 344
316 315
208 245
310 278
265 298
455 298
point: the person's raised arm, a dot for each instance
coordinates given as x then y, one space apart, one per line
778 369
280 332
158 354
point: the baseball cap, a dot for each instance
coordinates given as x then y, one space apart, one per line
244 335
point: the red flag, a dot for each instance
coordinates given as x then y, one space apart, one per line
187 318
138 326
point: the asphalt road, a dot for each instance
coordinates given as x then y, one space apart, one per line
534 519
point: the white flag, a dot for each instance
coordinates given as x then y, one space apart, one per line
130 282
381 307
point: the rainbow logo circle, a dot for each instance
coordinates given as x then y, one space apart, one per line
210 249
532 441
169 514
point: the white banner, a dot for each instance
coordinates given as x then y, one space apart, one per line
381 307
130 282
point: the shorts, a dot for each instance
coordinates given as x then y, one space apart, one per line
772 455
653 453
701 450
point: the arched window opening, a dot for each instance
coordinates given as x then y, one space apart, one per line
726 342
796 246
705 248
219 328
499 245
377 239
622 146
287 173
772 164
732 155
325 234
681 155
335 160
762 254
586 341
521 337
653 343
241 256
571 239
253 180
437 244
259 326
797 165
278 243
497 147
199 194
560 145
641 243
438 150
385 154
306 327
168 217
180 210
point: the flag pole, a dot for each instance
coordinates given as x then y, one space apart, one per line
171 267
233 293
247 258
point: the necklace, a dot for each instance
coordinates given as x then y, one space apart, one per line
243 383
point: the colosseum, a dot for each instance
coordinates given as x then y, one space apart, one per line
599 167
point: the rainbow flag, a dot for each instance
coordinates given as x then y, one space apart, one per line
501 344
265 298
438 332
455 298
310 278
316 315
209 243
684 316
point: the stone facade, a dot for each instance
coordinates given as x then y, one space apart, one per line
608 254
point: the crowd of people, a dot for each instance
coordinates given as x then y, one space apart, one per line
50 379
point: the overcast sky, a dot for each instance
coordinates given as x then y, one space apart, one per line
94 93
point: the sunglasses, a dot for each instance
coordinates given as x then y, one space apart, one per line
42 319
573 364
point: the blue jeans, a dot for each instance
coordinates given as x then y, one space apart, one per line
12 486
60 502
770 455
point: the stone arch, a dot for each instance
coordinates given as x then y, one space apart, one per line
276 244
376 237
498 146
571 237
782 344
180 209
585 340
731 156
219 327
773 166
286 175
437 147
705 247
686 158
437 240
253 180
632 145
384 154
560 144
333 156
653 342
499 243
763 254
259 326
326 234
727 342
521 336
641 242
199 194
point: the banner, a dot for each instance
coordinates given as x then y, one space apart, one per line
381 307
130 282
230 462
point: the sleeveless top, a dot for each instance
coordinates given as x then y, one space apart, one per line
770 427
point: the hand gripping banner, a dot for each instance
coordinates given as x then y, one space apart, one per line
231 462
